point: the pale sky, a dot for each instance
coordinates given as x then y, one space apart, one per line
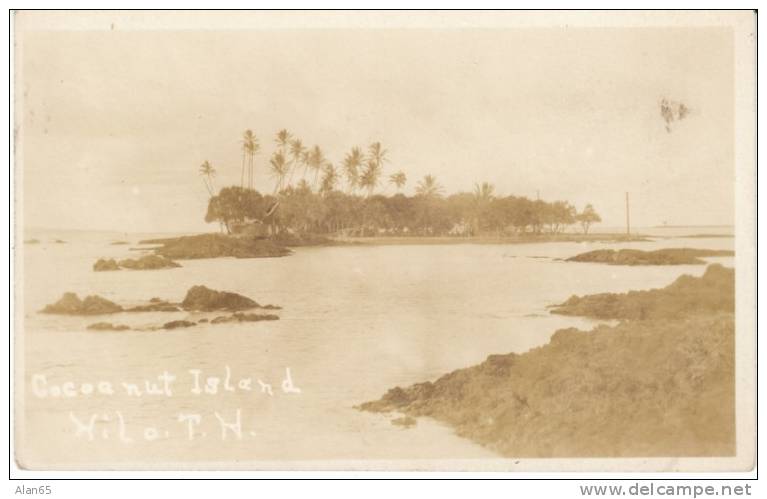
116 124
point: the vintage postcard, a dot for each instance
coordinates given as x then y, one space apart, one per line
466 240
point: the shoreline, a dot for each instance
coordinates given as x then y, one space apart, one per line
671 354
438 240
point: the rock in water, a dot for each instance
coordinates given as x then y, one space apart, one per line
155 307
148 262
178 324
667 256
107 326
206 299
240 317
103 264
71 304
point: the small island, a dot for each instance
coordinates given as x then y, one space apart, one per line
316 202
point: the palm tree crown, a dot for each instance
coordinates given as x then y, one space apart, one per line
484 191
352 163
283 138
279 169
371 175
398 179
208 172
429 187
250 148
329 178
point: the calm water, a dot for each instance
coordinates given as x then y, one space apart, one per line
356 322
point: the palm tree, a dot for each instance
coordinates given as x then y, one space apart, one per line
374 168
398 179
429 187
352 163
371 175
250 147
484 192
279 168
297 151
283 139
483 195
315 160
377 153
208 172
329 178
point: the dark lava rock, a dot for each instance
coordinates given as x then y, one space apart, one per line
71 304
148 262
714 292
178 324
668 256
240 317
107 326
215 246
155 307
103 264
206 299
202 321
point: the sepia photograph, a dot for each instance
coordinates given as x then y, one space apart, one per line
384 240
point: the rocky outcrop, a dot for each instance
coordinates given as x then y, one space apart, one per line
671 256
178 324
201 298
215 246
147 262
71 304
104 265
658 384
713 292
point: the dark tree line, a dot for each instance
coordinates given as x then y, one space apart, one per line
299 210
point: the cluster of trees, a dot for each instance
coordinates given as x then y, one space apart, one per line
299 210
312 195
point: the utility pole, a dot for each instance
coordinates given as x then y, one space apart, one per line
628 223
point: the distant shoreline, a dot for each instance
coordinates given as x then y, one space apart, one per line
530 239
213 245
